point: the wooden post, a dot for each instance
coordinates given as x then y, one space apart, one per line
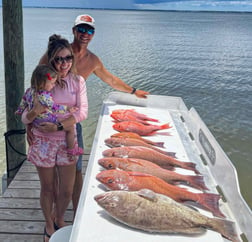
14 75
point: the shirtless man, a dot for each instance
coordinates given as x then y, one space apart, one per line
88 63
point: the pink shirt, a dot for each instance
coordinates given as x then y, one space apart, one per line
73 94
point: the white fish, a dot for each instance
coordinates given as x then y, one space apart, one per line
152 212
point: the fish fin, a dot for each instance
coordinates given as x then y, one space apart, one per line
158 144
152 119
196 182
167 167
164 133
135 173
172 154
135 161
226 228
210 201
151 133
193 231
148 194
165 126
143 122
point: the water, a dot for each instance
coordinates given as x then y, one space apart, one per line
205 58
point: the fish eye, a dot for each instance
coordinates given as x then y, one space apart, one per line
110 180
113 205
110 166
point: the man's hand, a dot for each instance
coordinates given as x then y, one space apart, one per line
141 93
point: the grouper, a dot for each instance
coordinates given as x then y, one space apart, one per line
153 212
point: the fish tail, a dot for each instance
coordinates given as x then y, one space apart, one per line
172 154
210 201
226 228
190 166
165 126
196 182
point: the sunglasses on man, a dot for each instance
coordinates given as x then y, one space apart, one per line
84 30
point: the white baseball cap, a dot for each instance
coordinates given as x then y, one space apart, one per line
84 19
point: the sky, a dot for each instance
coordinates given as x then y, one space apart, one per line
197 5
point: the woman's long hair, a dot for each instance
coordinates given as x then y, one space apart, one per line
57 43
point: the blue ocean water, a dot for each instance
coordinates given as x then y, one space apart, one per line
203 57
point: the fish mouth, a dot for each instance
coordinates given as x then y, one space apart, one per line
99 197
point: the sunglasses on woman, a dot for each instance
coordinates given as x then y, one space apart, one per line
61 60
83 30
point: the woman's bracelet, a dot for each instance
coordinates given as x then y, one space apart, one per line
133 90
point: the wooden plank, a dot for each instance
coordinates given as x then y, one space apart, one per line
21 227
24 203
24 184
4 237
26 176
22 193
28 168
28 215
19 203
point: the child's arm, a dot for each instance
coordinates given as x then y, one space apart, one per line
23 103
46 99
72 109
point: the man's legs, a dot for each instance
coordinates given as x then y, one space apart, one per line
78 178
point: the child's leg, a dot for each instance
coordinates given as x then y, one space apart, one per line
72 145
70 137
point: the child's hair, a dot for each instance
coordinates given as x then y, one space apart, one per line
40 75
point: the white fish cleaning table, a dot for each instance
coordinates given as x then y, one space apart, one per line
191 140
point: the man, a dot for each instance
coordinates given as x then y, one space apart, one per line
88 63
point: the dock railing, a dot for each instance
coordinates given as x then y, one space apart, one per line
12 165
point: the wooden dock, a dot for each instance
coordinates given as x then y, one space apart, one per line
21 217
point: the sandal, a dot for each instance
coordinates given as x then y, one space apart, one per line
46 234
56 227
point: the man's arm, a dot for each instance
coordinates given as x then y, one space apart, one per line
43 59
116 82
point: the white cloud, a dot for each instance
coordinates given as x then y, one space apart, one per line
125 4
200 5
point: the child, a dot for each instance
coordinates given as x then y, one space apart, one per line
42 82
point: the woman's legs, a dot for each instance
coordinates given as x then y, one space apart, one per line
46 176
66 182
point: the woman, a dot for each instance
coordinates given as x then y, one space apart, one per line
48 146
